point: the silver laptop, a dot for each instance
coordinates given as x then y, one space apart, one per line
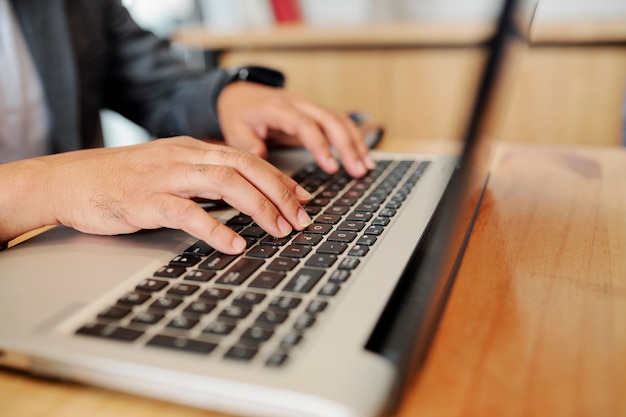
329 322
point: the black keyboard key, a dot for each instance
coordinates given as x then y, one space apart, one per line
257 334
380 221
321 260
255 232
147 318
312 210
182 323
329 289
304 280
358 250
360 216
170 271
349 263
387 212
316 306
215 294
219 328
296 251
308 239
342 236
339 276
367 207
347 202
200 248
181 343
183 289
133 298
304 322
340 210
275 241
242 353
333 248
235 312
320 202
318 228
374 230
249 298
201 276
198 308
290 340
165 303
185 260
267 279
283 264
328 218
271 317
285 303
276 359
366 240
239 220
240 271
217 261
114 313
151 285
262 251
351 226
109 332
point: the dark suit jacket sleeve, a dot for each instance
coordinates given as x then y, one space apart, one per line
131 71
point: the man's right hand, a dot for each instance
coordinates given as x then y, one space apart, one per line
148 186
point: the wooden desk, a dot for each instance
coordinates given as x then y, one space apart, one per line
536 321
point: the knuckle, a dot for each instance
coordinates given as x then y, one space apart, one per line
224 174
246 160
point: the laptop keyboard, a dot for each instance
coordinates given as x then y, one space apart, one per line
264 303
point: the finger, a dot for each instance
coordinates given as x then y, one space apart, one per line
258 171
286 118
343 135
180 213
263 196
284 193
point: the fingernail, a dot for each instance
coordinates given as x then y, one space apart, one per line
284 226
238 244
361 169
369 162
303 194
304 218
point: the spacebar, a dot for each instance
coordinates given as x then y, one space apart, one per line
239 272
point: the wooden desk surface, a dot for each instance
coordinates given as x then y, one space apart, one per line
536 321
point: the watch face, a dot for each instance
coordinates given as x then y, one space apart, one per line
261 75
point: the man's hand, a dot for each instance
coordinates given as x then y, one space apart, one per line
251 114
148 186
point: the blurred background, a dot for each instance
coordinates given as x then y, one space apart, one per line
576 73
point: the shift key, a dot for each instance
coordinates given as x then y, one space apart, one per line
304 280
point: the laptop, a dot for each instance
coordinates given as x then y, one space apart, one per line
334 321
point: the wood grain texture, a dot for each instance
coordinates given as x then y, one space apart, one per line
536 324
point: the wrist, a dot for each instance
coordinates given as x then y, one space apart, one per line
23 200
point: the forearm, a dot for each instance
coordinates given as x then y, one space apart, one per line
24 201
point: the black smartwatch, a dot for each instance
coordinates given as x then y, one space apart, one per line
259 75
